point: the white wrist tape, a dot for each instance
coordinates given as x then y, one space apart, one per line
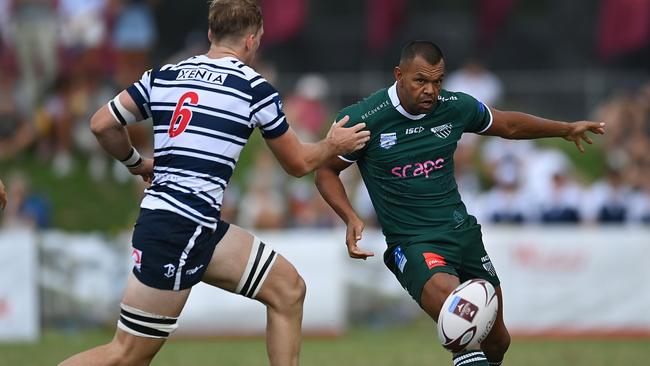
133 160
119 112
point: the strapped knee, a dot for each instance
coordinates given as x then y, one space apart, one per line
143 324
259 265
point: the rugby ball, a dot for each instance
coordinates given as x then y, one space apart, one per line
467 316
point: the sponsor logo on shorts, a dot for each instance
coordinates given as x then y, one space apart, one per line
400 259
458 217
434 260
170 270
387 140
490 268
193 270
463 308
487 265
136 255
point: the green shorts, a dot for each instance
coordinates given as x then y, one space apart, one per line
459 252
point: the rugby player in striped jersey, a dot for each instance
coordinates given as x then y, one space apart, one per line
204 110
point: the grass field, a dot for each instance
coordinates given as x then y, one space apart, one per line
414 344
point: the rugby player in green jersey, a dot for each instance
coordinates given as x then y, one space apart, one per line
408 169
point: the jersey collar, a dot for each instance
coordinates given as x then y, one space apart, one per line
392 94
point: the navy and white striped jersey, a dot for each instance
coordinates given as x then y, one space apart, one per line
203 110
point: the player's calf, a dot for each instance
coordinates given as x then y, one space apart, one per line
496 344
283 292
498 341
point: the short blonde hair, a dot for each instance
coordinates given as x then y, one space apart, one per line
233 18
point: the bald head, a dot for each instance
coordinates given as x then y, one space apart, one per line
425 49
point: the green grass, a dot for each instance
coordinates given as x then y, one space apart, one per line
413 344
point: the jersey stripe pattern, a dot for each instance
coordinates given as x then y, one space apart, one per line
204 111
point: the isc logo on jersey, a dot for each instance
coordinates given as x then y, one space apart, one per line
412 130
200 74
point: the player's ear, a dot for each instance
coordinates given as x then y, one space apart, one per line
250 41
210 35
398 74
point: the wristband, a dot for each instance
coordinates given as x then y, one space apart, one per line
133 160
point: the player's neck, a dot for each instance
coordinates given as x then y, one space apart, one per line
401 102
217 51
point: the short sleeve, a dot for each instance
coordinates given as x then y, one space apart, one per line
140 92
266 109
480 117
356 155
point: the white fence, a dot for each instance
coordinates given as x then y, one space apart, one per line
556 280
19 315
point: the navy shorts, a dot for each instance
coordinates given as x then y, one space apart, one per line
171 252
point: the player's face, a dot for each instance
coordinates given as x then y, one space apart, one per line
419 84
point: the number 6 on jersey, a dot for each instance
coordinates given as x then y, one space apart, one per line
176 126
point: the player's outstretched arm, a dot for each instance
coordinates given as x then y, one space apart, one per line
331 188
114 138
298 158
519 126
3 196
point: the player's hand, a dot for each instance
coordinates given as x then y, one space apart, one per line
145 170
345 140
352 236
579 132
3 196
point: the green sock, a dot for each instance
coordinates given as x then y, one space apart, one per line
470 358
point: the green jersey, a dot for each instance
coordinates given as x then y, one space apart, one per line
408 167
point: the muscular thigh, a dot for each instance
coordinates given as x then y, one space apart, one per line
229 259
242 264
153 300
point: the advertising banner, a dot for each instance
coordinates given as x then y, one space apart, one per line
19 315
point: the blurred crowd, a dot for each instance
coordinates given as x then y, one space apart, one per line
501 181
60 60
